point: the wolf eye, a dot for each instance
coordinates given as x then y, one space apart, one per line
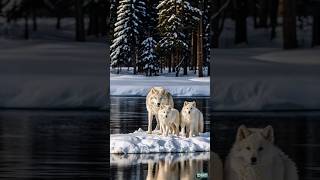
260 148
248 148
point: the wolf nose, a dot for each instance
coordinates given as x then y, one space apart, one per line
253 160
158 104
189 112
166 116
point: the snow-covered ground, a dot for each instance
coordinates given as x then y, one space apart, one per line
52 74
139 85
266 79
141 142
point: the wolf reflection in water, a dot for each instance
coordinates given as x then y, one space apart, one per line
165 166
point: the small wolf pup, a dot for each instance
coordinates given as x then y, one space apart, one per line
169 119
255 157
191 119
157 96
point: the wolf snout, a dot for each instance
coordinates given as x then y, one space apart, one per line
189 112
158 104
253 160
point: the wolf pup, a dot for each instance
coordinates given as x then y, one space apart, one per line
157 96
169 118
191 119
255 157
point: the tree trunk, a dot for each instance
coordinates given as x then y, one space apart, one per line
316 29
80 29
169 62
34 19
263 13
195 53
26 27
289 24
241 22
274 4
200 49
58 24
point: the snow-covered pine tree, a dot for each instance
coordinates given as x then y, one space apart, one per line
149 57
124 48
174 16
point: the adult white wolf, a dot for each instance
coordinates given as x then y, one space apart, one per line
156 97
255 157
191 119
169 119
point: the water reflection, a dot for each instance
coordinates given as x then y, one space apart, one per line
160 166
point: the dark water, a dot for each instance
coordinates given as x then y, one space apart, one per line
296 133
53 144
129 114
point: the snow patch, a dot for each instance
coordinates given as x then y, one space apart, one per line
141 142
140 85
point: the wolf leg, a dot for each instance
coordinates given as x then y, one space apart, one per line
158 126
150 117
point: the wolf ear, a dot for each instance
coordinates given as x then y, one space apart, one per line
185 103
267 133
194 103
153 90
242 133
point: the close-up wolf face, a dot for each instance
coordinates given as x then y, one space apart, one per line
254 146
164 111
188 106
159 97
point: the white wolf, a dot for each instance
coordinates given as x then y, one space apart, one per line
169 119
255 157
157 96
191 119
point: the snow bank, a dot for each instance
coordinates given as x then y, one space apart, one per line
255 79
306 56
52 74
139 85
133 159
141 142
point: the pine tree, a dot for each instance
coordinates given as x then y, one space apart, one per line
174 16
149 57
124 50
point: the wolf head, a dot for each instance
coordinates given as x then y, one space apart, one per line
188 106
159 96
165 110
254 146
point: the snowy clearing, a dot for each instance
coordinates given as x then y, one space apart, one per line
141 142
133 159
243 81
52 74
139 85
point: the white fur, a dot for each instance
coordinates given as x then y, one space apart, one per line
169 118
156 97
271 162
191 119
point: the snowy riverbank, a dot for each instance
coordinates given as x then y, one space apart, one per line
139 85
141 142
266 79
